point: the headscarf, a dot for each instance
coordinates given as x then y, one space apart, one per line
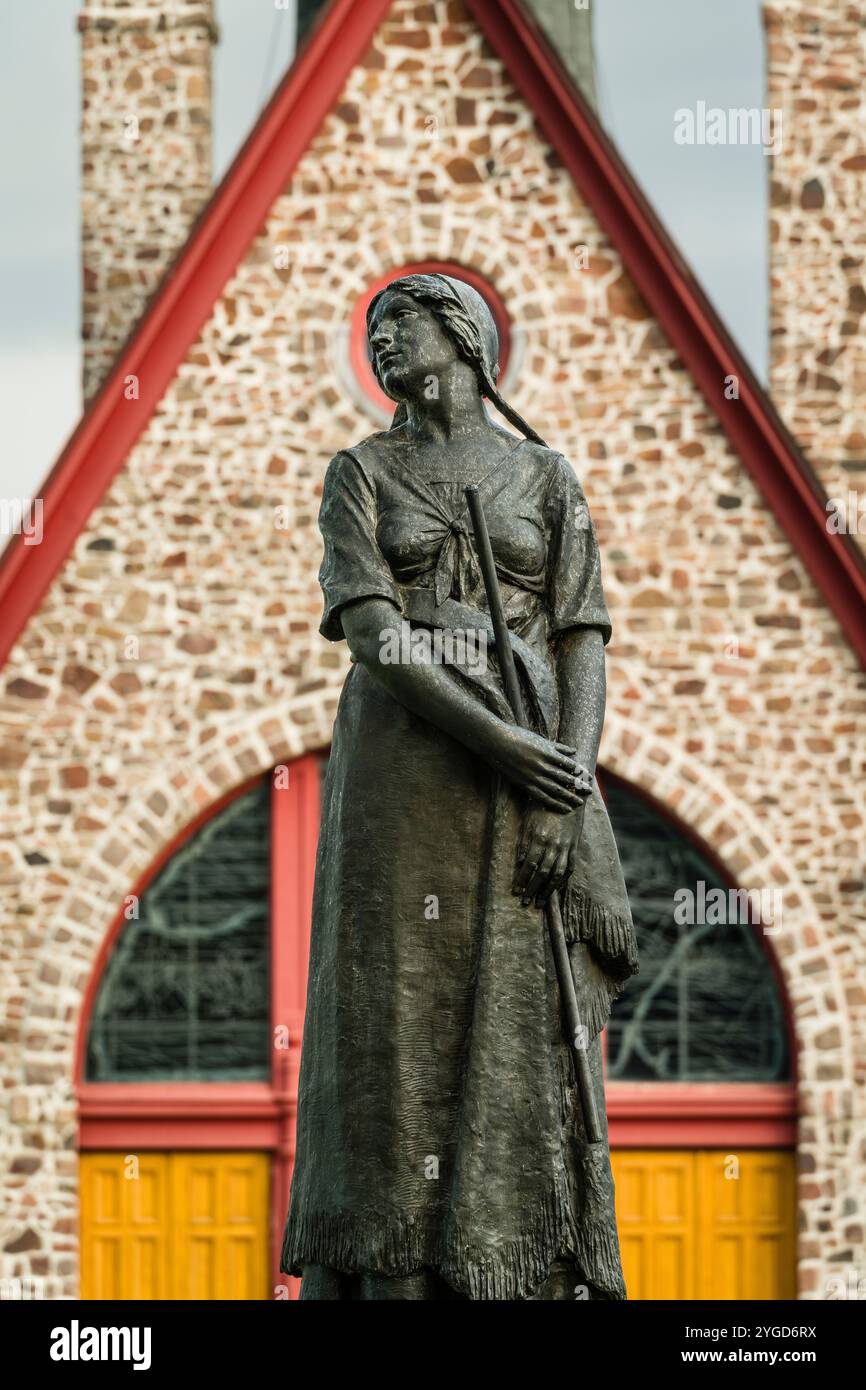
465 316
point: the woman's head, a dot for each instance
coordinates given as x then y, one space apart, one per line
420 326
420 315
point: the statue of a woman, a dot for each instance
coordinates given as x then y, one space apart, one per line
440 1145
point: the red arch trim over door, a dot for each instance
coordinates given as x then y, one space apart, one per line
226 1115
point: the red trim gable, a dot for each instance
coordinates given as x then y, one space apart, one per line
112 424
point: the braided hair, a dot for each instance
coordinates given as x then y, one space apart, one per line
468 322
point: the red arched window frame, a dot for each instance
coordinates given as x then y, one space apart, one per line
226 1115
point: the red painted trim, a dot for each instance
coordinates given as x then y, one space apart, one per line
671 291
111 425
669 1116
358 358
294 838
181 1115
233 217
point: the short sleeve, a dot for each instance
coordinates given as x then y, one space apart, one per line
353 567
574 592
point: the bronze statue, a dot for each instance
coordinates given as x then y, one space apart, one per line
441 1147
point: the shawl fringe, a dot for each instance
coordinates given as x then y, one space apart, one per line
595 999
609 934
596 1244
610 940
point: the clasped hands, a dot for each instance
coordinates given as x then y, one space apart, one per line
558 787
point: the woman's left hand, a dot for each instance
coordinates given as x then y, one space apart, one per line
545 854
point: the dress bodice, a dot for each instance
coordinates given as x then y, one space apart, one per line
388 528
426 537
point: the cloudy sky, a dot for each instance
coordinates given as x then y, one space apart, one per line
652 59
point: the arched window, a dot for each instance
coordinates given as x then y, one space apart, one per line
705 1006
185 993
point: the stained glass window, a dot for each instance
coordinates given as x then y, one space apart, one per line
185 994
705 1006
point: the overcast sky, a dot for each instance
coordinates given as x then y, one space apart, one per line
652 60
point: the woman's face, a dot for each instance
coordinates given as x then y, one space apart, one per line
411 348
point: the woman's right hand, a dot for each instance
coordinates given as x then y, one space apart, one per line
546 771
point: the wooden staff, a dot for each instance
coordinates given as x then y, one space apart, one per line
574 1029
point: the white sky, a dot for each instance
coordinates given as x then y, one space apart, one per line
652 59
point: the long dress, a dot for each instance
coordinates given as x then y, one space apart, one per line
440 1135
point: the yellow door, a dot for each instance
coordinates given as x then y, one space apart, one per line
747 1247
174 1225
697 1223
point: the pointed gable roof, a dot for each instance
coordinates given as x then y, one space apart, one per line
235 214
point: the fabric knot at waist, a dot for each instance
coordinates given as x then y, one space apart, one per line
455 571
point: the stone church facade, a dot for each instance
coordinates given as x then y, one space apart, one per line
175 653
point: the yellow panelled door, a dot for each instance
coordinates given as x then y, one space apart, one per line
174 1225
702 1223
124 1225
656 1217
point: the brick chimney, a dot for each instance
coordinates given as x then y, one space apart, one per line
146 156
816 75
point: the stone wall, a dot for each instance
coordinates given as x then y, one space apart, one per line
816 56
146 156
177 653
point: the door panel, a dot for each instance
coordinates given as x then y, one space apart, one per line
747 1235
655 1196
174 1225
221 1202
124 1219
698 1224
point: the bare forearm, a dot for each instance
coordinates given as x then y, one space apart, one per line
582 692
545 771
422 687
